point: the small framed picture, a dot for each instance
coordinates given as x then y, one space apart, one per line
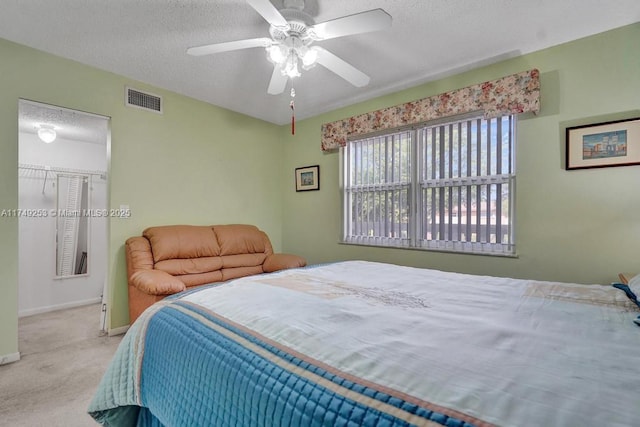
308 178
602 145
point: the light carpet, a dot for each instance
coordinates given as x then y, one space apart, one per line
63 357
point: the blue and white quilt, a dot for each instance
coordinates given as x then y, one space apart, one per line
368 344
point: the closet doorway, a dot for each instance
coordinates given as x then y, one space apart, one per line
62 209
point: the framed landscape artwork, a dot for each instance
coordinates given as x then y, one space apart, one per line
308 178
603 144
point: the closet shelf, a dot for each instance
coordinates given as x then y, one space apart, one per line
55 169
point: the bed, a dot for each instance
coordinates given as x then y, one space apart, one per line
360 343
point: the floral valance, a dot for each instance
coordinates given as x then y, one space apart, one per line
517 93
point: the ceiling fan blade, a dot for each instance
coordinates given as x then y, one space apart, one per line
341 68
227 46
364 22
269 13
278 82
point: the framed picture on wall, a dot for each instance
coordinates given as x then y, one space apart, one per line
308 178
603 144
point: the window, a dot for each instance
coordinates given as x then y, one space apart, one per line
439 186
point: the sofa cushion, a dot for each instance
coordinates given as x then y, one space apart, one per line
182 241
240 239
201 278
179 267
243 260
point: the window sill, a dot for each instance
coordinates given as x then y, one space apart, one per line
453 252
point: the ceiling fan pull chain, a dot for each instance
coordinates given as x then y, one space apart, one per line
293 115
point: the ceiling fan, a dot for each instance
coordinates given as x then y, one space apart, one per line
292 34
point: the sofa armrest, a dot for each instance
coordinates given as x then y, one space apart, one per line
138 254
276 262
156 282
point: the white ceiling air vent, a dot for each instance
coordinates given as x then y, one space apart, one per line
145 100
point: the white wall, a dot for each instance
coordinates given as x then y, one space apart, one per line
39 290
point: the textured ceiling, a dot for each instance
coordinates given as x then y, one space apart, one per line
146 40
68 124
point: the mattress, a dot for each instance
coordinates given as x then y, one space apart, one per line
360 343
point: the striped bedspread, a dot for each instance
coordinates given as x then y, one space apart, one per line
368 344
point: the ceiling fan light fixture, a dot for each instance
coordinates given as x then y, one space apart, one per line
290 68
309 57
46 133
277 54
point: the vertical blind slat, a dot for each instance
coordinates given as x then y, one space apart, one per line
488 150
433 153
479 148
468 192
499 146
393 179
499 196
499 213
510 171
449 191
459 201
488 214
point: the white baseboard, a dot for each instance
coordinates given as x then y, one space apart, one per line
118 331
40 310
9 358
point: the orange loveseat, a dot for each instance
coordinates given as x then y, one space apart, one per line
169 259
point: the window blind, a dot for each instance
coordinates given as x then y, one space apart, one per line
446 186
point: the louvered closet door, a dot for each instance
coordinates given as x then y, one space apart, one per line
68 232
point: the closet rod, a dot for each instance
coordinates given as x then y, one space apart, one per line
55 169
101 174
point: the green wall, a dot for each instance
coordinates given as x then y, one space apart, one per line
581 226
194 164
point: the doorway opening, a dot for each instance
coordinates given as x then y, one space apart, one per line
62 209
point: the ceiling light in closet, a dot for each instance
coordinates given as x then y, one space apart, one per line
46 133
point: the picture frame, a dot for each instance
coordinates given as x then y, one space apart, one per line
607 144
308 178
